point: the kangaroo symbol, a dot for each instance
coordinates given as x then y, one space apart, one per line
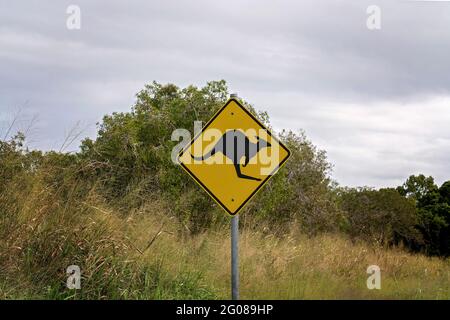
234 144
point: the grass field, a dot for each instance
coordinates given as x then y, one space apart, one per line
146 255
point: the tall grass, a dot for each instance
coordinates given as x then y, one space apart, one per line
145 254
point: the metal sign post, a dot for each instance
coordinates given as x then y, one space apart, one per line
235 257
234 249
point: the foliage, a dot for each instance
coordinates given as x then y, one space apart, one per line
380 216
433 207
300 194
131 159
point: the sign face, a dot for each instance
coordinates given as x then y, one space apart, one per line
233 156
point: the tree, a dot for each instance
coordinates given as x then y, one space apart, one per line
433 210
131 159
444 192
381 216
418 187
301 193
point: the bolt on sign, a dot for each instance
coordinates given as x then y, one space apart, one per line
233 156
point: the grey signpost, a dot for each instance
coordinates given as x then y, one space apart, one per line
235 250
235 257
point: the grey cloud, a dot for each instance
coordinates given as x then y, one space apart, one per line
377 101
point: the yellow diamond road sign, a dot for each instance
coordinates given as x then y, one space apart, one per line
233 156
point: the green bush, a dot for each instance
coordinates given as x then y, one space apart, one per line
433 207
381 216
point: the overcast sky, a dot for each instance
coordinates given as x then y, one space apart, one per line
378 101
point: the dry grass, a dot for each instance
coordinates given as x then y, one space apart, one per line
145 254
293 267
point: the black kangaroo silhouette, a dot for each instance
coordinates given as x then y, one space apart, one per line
234 144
